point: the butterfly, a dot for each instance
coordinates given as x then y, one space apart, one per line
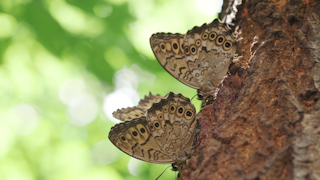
200 58
163 135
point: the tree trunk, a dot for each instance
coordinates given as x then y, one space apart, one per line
265 122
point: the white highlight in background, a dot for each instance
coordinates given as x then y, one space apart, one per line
83 110
71 89
82 106
24 119
104 152
122 98
126 82
134 166
209 7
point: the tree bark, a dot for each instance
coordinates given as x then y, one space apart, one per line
265 122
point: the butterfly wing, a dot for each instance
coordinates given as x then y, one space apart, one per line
164 136
130 113
211 47
146 103
172 123
200 58
169 51
135 139
224 48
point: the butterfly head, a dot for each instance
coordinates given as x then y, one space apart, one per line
175 167
200 96
206 98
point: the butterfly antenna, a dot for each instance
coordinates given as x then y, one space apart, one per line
162 173
193 97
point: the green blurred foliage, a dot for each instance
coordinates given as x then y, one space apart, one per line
57 54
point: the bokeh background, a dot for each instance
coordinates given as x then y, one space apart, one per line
65 66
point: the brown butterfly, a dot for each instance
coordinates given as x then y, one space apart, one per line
200 58
164 135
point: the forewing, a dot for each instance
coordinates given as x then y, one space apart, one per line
169 51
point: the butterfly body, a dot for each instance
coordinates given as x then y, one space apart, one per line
200 58
163 135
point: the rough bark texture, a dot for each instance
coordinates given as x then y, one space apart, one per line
265 122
